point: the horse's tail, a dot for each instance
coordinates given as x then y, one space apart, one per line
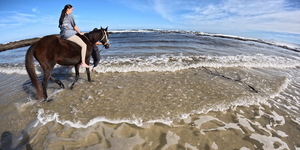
30 68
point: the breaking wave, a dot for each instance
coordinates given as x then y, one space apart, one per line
172 63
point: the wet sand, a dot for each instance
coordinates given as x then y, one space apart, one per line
258 126
243 126
255 127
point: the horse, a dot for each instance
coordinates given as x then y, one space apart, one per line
51 50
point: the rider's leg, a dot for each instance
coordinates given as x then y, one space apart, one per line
83 46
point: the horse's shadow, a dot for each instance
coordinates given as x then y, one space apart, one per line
62 73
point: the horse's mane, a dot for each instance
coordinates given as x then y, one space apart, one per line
93 36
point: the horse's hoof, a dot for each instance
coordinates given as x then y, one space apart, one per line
47 100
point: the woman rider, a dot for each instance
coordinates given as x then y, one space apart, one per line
68 30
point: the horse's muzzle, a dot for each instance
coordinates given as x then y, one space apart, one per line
107 45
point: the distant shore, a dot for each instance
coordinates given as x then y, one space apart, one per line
18 44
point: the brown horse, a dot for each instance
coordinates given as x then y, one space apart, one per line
51 50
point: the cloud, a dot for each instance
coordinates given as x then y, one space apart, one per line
35 10
13 19
162 9
170 9
268 15
140 5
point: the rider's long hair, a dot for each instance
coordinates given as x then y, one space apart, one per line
63 14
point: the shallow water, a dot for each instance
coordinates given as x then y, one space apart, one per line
163 90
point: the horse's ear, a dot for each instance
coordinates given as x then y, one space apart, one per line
106 28
101 28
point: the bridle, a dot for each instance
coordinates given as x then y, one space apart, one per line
104 37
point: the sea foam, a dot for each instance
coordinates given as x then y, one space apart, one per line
171 63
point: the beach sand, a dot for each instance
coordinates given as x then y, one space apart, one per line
229 129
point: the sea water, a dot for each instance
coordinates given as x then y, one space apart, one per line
158 89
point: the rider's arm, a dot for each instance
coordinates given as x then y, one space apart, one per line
77 30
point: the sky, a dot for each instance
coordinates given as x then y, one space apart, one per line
263 19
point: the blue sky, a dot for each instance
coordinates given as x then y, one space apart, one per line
266 19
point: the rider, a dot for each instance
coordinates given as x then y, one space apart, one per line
68 31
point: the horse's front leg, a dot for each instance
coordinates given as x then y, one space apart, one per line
88 73
76 75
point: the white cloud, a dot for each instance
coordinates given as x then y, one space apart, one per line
15 19
134 4
164 9
268 15
35 10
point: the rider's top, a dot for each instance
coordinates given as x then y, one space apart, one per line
67 27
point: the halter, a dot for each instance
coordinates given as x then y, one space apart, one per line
105 36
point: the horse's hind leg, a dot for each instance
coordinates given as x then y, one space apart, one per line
58 82
76 75
47 74
47 68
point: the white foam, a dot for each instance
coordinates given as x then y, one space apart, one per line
203 120
189 146
175 63
245 148
15 69
245 122
268 141
46 117
172 139
133 31
12 70
22 106
214 145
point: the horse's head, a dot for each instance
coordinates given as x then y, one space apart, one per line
104 40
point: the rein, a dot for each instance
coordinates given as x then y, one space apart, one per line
87 39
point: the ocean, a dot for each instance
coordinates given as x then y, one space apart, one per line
160 89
